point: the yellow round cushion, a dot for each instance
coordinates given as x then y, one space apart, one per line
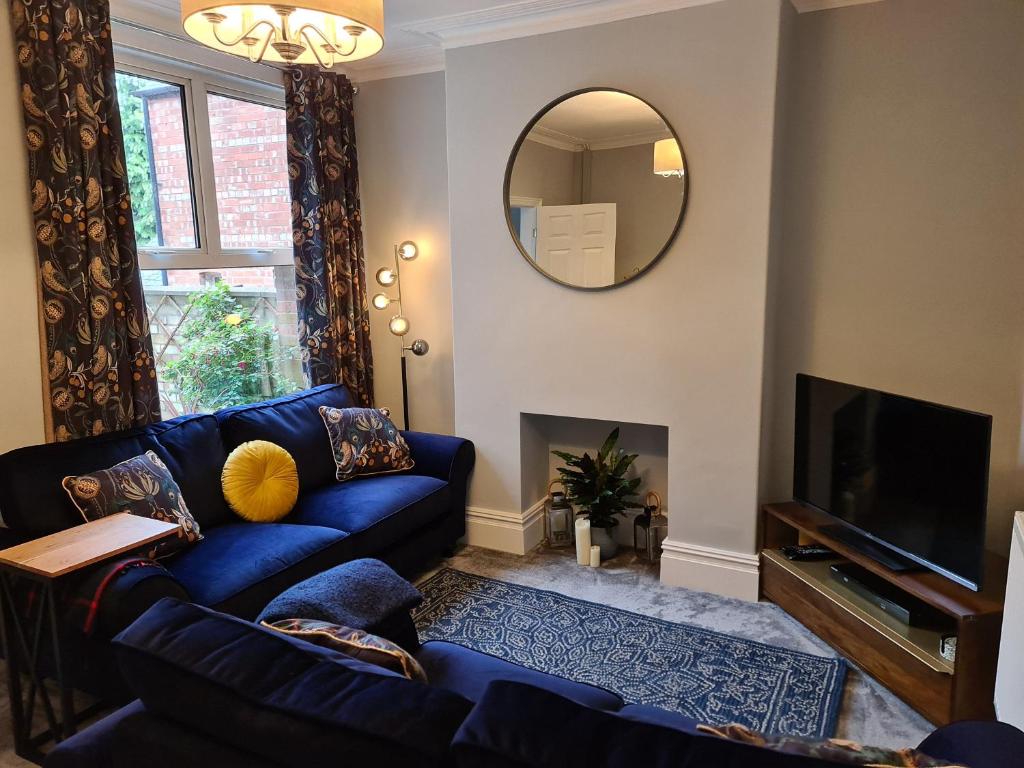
260 481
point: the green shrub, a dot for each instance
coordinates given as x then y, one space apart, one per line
226 357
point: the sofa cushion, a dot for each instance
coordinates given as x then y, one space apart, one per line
360 594
469 672
356 643
365 442
192 449
522 725
644 713
977 743
281 698
142 486
837 751
234 557
294 423
134 736
33 502
260 481
376 511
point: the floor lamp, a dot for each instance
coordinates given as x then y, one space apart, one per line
388 277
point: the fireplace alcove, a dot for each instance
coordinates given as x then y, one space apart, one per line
542 433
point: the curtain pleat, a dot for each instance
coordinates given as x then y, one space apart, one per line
99 355
330 269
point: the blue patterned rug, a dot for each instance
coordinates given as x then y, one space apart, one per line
711 677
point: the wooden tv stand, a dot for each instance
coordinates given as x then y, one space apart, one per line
903 658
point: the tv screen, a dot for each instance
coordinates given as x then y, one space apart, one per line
910 475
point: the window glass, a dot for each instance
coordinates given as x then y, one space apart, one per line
157 160
222 337
250 163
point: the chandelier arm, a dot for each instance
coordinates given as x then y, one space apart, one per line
307 27
247 33
266 44
303 34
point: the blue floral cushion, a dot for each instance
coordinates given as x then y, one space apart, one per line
837 751
365 442
355 643
140 486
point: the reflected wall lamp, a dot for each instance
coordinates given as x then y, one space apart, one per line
323 32
399 323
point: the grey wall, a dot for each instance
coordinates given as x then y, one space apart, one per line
545 172
897 218
682 347
647 206
400 130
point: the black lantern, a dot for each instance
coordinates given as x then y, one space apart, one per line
559 526
650 528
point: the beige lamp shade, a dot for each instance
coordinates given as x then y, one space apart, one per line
668 158
324 32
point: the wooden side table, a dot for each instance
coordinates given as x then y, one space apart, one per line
44 561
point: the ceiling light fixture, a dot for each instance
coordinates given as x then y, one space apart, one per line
668 158
323 32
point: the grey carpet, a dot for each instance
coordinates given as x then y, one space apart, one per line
870 713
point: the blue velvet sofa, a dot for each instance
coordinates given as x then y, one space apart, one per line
214 690
405 519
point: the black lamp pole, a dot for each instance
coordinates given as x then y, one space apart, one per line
418 348
405 393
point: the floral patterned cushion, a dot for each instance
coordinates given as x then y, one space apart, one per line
353 642
141 486
836 751
365 442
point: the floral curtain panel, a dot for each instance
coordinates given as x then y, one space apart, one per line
99 354
330 271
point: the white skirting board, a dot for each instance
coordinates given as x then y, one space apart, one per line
513 532
694 566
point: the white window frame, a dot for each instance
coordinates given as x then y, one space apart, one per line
197 83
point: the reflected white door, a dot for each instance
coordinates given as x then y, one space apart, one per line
576 243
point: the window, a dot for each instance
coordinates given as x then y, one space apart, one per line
156 150
206 158
250 166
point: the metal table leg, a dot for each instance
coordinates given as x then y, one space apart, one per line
22 646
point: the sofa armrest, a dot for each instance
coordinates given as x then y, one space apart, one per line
977 743
447 458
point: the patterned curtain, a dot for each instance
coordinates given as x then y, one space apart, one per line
330 271
99 353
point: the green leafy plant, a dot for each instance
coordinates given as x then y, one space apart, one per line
599 483
226 357
136 155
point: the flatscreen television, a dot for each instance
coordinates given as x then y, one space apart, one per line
905 480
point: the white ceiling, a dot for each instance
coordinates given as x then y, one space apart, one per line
416 32
600 120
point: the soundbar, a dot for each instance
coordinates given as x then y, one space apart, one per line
880 593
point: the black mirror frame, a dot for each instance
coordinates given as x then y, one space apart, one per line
506 188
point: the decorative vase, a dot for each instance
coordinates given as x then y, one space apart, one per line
602 537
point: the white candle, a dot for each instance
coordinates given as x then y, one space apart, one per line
595 556
582 541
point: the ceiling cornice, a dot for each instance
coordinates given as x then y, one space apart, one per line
552 138
398 63
534 17
515 19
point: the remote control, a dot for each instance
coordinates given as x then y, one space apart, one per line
808 552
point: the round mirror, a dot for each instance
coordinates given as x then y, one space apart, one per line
595 189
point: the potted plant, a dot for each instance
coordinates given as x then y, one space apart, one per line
599 485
